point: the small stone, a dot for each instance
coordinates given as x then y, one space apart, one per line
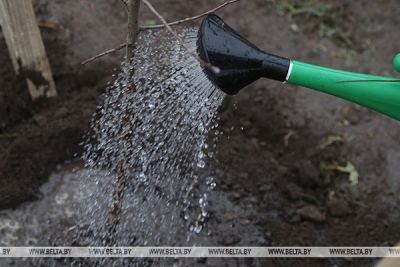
282 169
309 174
61 112
245 222
338 207
229 216
229 239
264 188
371 233
261 242
294 28
311 212
348 259
253 200
40 120
236 195
296 193
293 191
244 214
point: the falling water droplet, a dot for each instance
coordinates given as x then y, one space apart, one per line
201 164
155 137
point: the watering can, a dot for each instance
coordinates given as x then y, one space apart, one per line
240 63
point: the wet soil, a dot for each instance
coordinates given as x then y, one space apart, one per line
268 159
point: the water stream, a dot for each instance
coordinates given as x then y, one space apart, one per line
153 138
143 182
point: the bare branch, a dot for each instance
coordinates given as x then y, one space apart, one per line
105 53
142 28
125 3
183 44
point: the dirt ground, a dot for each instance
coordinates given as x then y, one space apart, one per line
270 152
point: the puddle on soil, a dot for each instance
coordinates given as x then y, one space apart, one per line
61 218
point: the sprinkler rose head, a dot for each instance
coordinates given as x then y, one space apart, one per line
240 62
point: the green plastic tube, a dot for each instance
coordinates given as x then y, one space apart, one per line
375 92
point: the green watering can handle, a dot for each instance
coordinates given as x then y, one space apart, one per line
375 92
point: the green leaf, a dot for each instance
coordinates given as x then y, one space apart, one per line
330 140
8 135
335 138
344 123
351 170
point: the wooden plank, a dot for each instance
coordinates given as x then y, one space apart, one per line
26 47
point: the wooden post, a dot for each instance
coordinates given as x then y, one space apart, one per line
26 48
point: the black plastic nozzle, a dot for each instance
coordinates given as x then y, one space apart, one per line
240 62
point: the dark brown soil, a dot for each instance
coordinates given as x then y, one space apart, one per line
271 155
35 136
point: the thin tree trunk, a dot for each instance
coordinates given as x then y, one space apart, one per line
133 27
121 183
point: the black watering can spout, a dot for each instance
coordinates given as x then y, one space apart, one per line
240 62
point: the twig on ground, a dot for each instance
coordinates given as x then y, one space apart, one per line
190 187
183 44
287 137
142 28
